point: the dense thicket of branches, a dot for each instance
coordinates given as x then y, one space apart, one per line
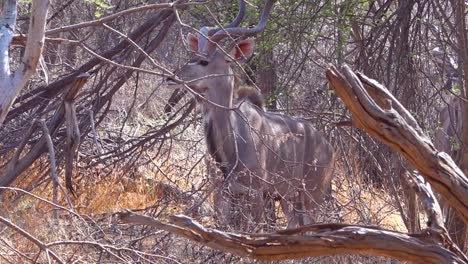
98 100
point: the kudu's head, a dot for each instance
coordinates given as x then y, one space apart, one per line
210 70
213 70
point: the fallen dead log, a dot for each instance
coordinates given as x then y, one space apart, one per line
308 241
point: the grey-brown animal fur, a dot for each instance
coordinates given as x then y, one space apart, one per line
251 95
450 121
263 155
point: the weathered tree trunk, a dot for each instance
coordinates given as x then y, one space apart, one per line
12 83
405 77
377 112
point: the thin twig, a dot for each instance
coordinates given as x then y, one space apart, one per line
53 167
155 64
100 21
15 250
95 134
31 238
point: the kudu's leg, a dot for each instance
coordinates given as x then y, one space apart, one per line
248 202
270 211
297 209
315 191
287 205
222 207
222 202
304 211
249 211
258 212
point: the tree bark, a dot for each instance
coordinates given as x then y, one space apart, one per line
308 241
378 113
12 83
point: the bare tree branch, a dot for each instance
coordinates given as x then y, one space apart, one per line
431 205
378 113
53 168
16 167
307 241
31 238
101 21
72 142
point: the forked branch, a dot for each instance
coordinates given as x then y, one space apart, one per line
378 113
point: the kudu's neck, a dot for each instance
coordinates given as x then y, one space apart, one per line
217 113
218 98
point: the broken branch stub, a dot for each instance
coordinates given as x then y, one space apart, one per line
428 199
378 113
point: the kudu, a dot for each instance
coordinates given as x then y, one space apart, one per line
448 138
448 134
262 155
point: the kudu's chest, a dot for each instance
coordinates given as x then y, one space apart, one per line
214 144
227 142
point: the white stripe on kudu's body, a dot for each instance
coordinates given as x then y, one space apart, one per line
263 155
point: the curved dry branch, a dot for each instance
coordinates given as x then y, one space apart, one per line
428 199
378 113
308 241
102 20
31 238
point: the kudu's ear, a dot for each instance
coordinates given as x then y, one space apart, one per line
192 41
243 50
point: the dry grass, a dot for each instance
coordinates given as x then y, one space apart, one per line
105 191
368 206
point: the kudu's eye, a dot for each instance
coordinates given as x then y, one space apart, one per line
203 62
